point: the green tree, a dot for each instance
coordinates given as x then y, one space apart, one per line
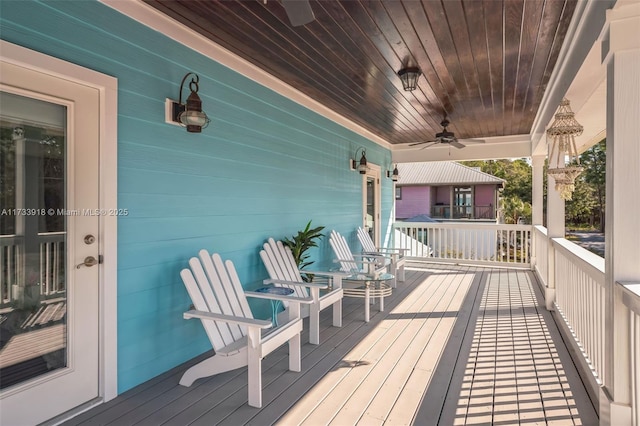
594 162
516 173
514 209
580 208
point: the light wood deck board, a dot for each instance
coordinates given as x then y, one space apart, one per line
443 351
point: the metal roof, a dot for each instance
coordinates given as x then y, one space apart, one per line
442 173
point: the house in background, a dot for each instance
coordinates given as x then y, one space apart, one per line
446 190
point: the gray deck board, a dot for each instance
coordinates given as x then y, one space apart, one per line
455 345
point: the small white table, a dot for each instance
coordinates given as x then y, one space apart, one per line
366 286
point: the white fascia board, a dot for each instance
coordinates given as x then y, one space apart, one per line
517 146
156 20
586 26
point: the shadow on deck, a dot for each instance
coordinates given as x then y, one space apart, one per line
455 345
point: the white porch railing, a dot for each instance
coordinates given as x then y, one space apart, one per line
630 294
49 274
481 243
586 304
580 300
541 252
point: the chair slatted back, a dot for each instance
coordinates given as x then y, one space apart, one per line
214 286
342 251
365 239
280 264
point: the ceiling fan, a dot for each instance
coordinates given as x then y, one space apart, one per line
446 137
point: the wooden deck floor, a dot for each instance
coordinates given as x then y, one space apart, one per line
456 345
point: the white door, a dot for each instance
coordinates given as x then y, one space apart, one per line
49 307
371 202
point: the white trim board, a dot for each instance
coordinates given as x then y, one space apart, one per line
156 20
107 87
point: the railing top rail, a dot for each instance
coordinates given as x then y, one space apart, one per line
588 261
630 295
541 229
462 225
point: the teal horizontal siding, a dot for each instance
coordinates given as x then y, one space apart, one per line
263 168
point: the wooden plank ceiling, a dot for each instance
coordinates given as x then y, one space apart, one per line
485 63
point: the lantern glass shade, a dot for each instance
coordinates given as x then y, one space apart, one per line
190 114
409 78
394 175
362 167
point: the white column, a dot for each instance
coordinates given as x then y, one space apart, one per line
537 204
537 196
555 229
621 53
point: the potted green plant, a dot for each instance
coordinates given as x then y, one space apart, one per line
301 243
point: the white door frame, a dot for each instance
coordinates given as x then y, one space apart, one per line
374 171
107 87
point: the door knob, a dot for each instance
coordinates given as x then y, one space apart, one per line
89 261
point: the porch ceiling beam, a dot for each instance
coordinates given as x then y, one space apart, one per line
517 146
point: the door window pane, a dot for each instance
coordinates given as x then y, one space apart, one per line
33 327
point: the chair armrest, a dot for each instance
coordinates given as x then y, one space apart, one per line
398 249
378 254
300 284
293 299
334 274
364 262
248 322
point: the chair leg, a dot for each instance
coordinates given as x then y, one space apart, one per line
314 324
215 365
337 313
255 378
394 271
401 273
295 354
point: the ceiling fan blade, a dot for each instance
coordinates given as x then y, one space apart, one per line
298 11
423 142
456 144
431 143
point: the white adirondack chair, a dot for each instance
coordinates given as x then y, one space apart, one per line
221 304
283 271
395 256
369 264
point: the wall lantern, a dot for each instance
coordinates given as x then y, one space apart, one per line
563 131
361 166
393 174
409 77
189 114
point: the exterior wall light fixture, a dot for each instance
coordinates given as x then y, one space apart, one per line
393 174
360 166
188 114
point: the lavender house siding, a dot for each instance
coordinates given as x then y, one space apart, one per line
485 195
415 200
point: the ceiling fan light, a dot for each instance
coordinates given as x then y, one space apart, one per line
409 78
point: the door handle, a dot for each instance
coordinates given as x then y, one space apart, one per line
89 261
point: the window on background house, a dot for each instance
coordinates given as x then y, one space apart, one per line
462 201
398 193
